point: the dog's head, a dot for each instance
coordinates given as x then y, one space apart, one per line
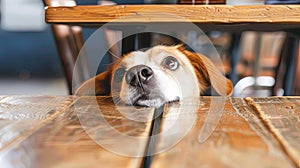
159 75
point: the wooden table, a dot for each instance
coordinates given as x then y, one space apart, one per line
67 131
207 17
178 19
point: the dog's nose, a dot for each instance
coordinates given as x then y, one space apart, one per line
138 75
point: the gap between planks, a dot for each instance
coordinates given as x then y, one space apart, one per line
284 146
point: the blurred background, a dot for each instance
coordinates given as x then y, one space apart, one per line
30 64
29 61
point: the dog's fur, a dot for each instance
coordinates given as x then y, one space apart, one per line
194 73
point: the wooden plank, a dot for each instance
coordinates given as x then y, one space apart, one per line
224 14
67 141
282 117
22 115
240 139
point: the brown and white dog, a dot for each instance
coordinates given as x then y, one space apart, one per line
159 75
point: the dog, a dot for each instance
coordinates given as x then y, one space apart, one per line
156 76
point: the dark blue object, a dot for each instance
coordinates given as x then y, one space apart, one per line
31 52
282 2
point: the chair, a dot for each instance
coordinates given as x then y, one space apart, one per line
69 41
288 71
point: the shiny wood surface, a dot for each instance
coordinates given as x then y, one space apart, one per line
46 132
50 131
282 116
241 138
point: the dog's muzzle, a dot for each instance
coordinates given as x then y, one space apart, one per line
144 88
139 76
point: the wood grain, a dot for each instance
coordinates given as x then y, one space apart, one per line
223 14
239 140
20 116
282 116
51 131
64 141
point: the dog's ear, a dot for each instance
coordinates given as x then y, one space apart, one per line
98 85
208 74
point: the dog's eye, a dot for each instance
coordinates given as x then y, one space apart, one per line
119 74
171 63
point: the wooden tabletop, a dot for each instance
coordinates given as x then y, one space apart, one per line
67 131
260 17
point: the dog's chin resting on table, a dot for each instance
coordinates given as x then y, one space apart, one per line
156 76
